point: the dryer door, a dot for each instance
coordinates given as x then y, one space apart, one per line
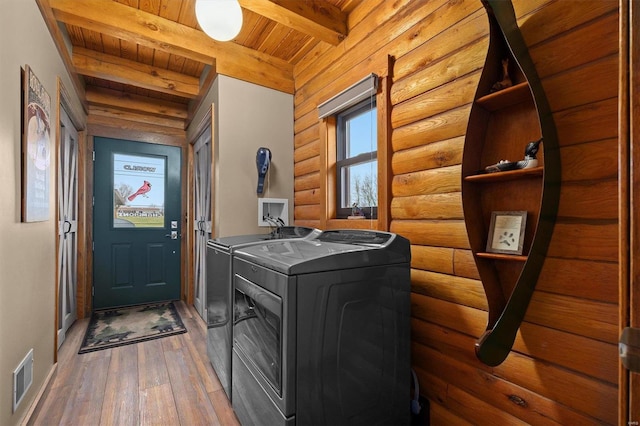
257 330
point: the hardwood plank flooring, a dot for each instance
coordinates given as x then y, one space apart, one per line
167 381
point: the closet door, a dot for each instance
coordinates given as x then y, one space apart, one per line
67 225
202 163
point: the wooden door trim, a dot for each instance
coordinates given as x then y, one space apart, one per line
631 12
629 199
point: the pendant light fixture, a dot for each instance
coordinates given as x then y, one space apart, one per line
219 19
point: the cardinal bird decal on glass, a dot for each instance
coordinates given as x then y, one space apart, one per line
146 187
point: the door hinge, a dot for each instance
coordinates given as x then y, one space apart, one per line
93 201
94 155
93 291
93 246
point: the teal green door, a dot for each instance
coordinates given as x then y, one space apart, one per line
136 223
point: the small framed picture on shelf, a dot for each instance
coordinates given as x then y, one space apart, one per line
506 232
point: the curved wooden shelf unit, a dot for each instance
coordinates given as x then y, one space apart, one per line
501 124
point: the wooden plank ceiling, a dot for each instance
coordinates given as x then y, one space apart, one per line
150 57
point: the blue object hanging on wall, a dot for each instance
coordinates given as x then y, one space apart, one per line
263 159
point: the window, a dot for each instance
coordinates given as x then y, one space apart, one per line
352 150
356 160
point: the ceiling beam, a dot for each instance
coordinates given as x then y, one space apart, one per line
119 128
119 114
317 19
99 96
134 25
113 68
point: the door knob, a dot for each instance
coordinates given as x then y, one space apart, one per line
173 235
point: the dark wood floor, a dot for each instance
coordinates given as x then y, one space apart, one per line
167 381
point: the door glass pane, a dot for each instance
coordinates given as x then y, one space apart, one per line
138 191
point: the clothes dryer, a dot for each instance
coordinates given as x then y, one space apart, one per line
219 292
321 332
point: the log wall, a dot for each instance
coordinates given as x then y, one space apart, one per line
564 365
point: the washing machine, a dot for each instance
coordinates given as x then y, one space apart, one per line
219 292
321 332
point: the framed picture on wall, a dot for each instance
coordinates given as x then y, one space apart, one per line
36 148
506 232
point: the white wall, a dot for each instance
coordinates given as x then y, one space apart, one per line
27 250
248 117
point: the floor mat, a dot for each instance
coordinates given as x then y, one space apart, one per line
110 328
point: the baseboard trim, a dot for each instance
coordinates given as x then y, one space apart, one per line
43 390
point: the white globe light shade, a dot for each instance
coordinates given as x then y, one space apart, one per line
219 19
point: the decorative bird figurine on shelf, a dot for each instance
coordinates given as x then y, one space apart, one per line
530 160
146 187
530 153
